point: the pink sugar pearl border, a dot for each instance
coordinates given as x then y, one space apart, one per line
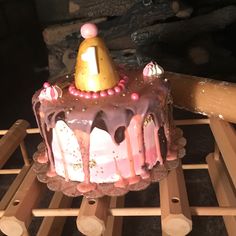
103 93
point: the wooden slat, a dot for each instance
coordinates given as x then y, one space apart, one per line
11 140
10 171
114 224
24 153
192 122
202 95
13 188
18 214
93 215
224 190
175 211
225 137
139 211
50 225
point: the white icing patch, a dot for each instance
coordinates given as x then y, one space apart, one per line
66 152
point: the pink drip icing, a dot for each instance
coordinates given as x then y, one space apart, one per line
121 183
158 148
133 177
138 129
42 158
51 173
84 143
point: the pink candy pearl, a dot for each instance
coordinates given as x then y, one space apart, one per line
122 81
76 93
110 91
95 95
81 94
88 95
46 85
122 86
89 30
134 96
103 93
117 89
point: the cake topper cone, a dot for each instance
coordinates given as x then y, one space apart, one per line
94 70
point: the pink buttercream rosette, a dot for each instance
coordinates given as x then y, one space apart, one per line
50 92
152 69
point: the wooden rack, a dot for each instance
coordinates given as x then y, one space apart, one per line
104 216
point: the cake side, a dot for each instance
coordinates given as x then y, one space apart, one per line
127 137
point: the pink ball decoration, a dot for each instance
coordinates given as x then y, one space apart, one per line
88 95
103 93
110 92
122 86
89 30
95 95
81 94
134 96
46 85
122 81
117 89
76 93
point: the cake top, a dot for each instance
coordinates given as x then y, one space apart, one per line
102 94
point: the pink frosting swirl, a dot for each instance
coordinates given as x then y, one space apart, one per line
152 69
50 92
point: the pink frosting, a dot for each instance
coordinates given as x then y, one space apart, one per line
152 69
50 92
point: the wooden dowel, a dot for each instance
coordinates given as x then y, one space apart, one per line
137 211
194 166
225 137
114 224
216 152
10 171
50 225
175 211
205 96
13 188
177 122
24 153
17 216
192 122
224 190
10 141
28 131
93 215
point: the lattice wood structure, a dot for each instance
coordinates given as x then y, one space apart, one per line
104 216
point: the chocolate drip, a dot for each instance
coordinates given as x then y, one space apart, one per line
163 142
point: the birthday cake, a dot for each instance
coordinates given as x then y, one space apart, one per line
106 129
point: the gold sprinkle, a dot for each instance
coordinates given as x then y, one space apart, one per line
147 120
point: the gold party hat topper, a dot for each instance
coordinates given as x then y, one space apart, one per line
94 70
